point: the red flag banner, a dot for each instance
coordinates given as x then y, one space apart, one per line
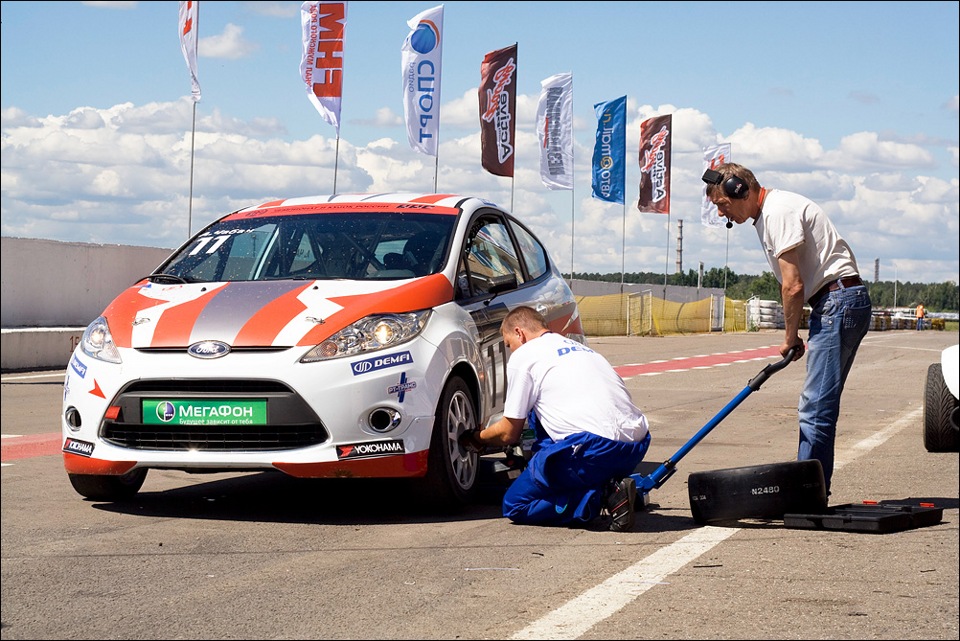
498 109
655 135
321 66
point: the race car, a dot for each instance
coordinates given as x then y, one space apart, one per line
332 336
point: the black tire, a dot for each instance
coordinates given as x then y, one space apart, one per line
939 413
757 492
451 478
104 487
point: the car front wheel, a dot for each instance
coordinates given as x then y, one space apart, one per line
451 477
103 487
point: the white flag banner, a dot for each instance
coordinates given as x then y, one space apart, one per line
421 56
189 16
713 157
555 131
321 67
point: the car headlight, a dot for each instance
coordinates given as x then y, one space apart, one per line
369 334
97 342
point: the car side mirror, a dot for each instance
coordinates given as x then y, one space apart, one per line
502 283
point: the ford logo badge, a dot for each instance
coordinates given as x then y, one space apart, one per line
208 349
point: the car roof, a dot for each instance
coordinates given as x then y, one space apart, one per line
362 202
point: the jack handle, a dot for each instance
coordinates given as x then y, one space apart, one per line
771 369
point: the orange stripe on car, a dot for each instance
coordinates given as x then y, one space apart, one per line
426 292
123 311
263 326
176 324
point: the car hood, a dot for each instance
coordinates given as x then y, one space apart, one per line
260 313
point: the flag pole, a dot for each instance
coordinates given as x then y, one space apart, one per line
573 216
573 200
336 162
666 264
193 137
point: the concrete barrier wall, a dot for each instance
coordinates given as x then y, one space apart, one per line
51 290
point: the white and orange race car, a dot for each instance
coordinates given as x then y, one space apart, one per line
337 336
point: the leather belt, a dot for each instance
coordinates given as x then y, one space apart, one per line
834 285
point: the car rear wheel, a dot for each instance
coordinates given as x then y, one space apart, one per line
103 487
939 405
757 492
451 477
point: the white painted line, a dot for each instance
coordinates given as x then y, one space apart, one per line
26 377
575 617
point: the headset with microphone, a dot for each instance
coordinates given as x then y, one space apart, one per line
733 186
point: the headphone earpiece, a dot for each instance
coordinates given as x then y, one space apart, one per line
735 188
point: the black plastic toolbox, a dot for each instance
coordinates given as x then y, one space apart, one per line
877 517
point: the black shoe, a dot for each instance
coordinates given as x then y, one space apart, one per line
620 504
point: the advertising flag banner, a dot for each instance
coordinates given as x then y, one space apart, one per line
421 54
498 109
189 18
555 131
655 145
712 158
609 150
321 67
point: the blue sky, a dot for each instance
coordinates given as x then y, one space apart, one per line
852 104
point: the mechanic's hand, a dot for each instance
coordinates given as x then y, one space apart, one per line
470 441
798 346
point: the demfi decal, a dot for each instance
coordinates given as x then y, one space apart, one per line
369 450
401 388
380 362
73 446
77 365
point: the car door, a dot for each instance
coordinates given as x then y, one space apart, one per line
493 277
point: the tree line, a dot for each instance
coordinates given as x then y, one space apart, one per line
936 297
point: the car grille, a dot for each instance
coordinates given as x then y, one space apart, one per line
291 422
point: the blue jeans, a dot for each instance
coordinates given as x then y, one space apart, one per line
838 322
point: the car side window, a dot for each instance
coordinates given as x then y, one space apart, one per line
489 256
534 255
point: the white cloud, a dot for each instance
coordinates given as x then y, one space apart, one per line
121 175
229 45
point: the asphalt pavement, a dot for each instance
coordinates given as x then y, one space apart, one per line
264 556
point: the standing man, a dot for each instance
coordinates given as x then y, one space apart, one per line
590 435
813 263
921 314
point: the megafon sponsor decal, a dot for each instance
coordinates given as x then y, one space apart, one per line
380 362
369 450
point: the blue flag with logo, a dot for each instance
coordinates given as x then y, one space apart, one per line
610 150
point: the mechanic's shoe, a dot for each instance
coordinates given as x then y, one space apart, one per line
620 503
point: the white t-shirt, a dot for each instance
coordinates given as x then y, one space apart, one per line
789 220
572 389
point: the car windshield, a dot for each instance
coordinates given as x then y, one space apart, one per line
364 245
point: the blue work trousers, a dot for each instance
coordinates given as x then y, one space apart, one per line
564 482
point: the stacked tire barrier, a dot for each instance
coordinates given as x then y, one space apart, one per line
764 314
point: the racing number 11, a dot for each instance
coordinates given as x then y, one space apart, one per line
492 350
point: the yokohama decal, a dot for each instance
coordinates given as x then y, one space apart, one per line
369 450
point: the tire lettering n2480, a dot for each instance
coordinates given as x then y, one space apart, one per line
769 489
